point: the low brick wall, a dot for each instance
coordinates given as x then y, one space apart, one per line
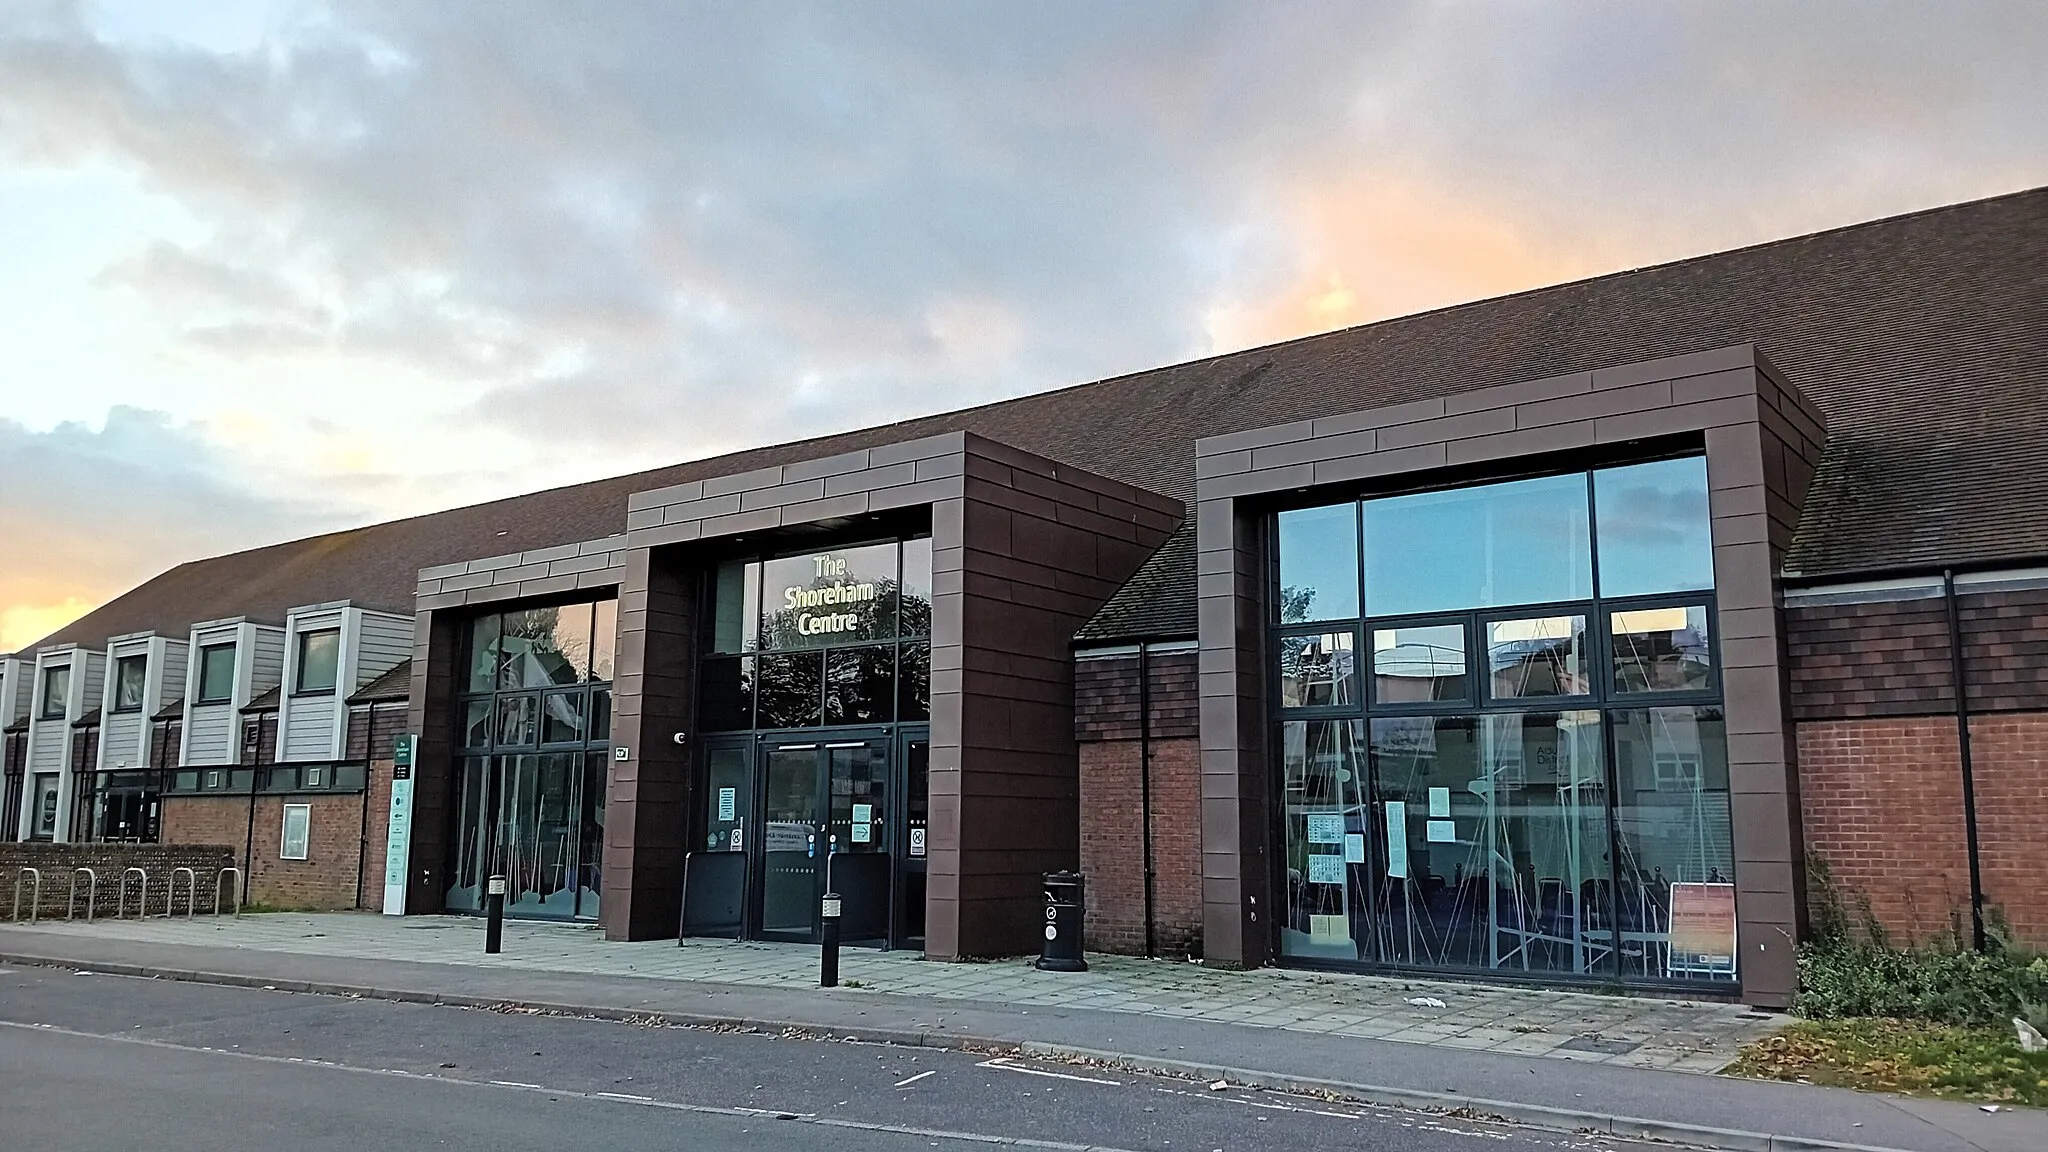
58 861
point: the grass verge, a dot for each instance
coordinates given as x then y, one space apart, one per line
1906 1056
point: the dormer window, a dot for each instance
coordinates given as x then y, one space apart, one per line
216 674
319 660
56 693
131 675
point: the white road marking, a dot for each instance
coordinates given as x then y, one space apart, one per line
1003 1062
933 1134
916 1078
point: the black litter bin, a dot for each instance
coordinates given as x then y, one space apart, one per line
1066 902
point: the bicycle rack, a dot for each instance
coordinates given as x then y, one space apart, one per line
234 890
35 900
92 894
191 893
121 895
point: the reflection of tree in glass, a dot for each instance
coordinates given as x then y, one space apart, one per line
859 683
1295 603
530 652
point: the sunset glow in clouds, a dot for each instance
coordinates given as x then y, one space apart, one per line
278 268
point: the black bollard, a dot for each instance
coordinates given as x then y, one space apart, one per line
828 956
494 916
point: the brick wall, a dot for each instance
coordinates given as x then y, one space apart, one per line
1880 764
1882 799
379 799
1112 846
2009 756
110 861
1106 722
327 879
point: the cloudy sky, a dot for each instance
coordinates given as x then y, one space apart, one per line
272 268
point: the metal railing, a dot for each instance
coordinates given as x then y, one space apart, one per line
234 890
121 895
191 893
35 900
92 894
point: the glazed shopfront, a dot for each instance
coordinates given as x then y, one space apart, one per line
1494 683
1500 732
533 740
814 717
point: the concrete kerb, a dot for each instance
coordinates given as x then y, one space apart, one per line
1467 1107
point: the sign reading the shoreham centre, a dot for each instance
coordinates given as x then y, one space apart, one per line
802 600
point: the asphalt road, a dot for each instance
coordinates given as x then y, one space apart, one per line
92 1062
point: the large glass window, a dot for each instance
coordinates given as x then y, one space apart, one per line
837 636
1522 542
131 677
1419 664
319 660
1318 564
1654 529
1317 670
534 723
1662 649
1535 779
216 673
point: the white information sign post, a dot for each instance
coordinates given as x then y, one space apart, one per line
398 834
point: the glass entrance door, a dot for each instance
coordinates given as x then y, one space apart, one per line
790 841
908 930
825 813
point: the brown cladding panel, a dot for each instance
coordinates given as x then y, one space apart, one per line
430 716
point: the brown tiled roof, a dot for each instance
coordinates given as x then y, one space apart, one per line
175 710
394 684
1923 338
88 720
266 702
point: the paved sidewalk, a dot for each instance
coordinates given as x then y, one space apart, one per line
1636 1032
1711 1111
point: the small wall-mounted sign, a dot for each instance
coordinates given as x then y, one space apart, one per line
621 753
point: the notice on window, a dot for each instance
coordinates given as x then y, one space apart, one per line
1329 929
1326 827
917 841
863 829
728 799
1325 868
1397 839
1702 929
735 840
1354 848
1439 802
1443 831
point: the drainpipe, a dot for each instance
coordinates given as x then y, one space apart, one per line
1145 783
1958 679
249 838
